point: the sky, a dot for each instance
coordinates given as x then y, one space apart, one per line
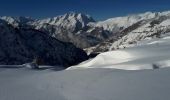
98 9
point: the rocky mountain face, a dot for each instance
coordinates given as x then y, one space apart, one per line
84 32
21 45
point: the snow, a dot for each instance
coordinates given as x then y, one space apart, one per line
87 84
166 23
143 56
115 75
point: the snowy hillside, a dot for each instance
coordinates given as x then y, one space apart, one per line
97 79
89 84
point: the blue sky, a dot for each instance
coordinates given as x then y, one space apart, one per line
99 9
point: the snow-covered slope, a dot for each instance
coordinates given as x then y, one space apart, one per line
149 54
88 84
125 74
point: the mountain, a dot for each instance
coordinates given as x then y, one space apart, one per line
74 28
120 23
23 45
135 28
72 22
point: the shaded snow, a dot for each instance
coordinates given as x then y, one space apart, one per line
89 84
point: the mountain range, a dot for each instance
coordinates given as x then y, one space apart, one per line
71 27
91 35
